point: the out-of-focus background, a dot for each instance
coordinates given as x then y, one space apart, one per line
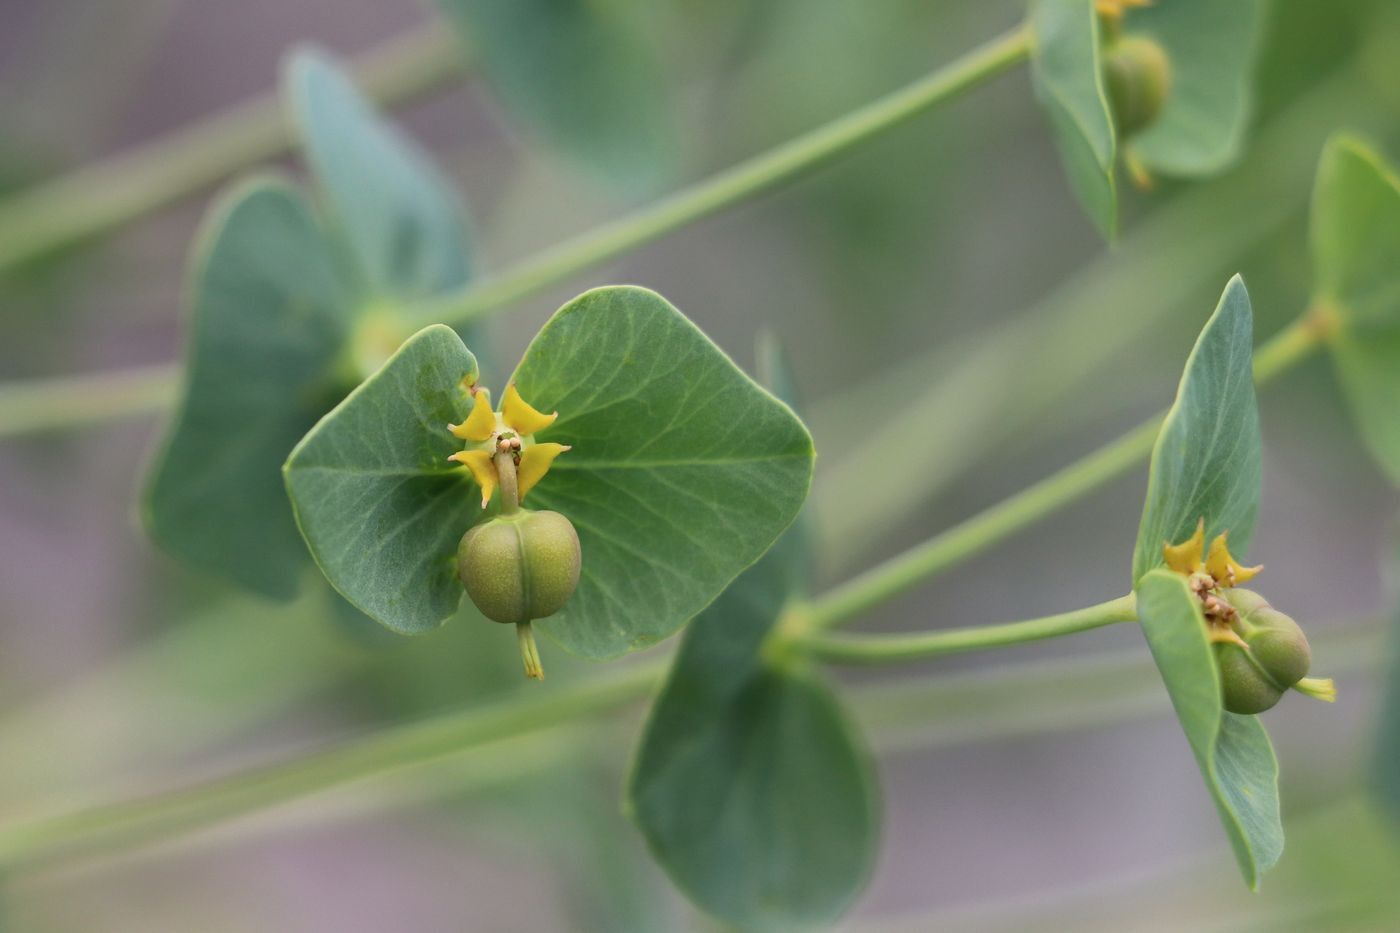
928 268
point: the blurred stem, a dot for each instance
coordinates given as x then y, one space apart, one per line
739 183
993 390
177 813
99 197
888 649
78 401
109 193
978 533
982 704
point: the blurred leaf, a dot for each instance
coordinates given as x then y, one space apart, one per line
1067 75
682 473
1356 260
1233 752
399 216
283 321
1212 45
379 504
269 322
774 370
574 72
749 786
1206 460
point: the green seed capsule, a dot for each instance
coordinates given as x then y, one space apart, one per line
1245 688
521 566
1278 654
1138 77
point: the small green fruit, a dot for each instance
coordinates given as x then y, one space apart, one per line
1138 77
521 566
1245 688
1277 658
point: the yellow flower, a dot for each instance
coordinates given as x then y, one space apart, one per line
513 429
1190 557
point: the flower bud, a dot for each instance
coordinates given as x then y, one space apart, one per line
520 566
1137 76
1275 655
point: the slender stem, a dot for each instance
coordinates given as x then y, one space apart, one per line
139 822
510 505
99 197
105 195
506 476
886 649
979 705
529 651
743 181
77 401
978 533
1295 342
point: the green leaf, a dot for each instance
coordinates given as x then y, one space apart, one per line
575 73
1206 460
1212 46
379 504
1068 77
749 786
267 328
737 755
1234 753
400 218
1356 265
683 471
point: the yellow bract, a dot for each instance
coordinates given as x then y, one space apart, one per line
486 433
482 470
1221 566
1190 557
534 464
481 423
520 416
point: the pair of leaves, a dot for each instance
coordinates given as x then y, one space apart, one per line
1211 46
278 296
1356 271
577 75
749 785
1206 465
683 471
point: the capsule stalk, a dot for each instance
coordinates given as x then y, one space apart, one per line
529 651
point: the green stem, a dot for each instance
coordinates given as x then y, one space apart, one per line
509 482
971 705
887 649
139 822
743 181
107 194
77 401
529 651
978 533
99 197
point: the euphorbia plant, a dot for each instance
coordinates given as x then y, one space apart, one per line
632 480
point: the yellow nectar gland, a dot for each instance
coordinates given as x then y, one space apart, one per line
1208 572
488 432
